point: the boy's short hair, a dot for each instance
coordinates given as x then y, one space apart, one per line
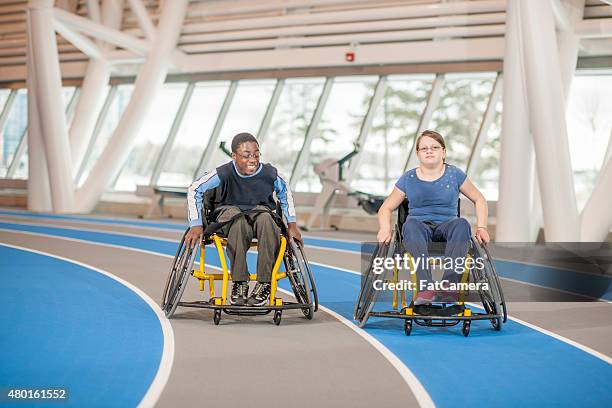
241 138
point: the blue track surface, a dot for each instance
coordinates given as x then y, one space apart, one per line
517 366
66 326
598 287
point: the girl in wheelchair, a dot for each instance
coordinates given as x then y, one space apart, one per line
432 191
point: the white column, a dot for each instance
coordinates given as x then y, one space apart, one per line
45 61
568 43
149 81
112 13
93 91
485 124
88 107
516 149
39 195
547 121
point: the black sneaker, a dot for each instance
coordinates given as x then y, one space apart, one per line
239 293
260 295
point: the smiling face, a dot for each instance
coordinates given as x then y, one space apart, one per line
430 151
246 158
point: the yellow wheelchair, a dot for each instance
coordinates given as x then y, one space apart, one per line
291 256
438 314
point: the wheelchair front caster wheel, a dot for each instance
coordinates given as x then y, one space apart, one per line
217 317
408 327
308 312
466 328
277 317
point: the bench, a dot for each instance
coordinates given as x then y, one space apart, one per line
158 194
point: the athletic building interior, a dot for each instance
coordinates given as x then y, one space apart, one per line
111 109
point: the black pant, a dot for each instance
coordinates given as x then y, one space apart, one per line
240 233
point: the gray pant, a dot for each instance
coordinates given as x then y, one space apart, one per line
239 235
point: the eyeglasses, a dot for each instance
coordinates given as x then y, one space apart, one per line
247 156
430 148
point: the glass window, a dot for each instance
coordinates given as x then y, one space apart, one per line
13 130
115 111
395 123
21 171
151 137
288 127
463 101
194 133
589 127
339 127
4 93
486 176
245 115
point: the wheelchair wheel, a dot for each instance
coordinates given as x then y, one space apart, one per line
278 314
301 280
408 327
170 281
466 328
492 299
501 292
314 297
367 294
177 281
217 317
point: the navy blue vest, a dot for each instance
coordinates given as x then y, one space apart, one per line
247 192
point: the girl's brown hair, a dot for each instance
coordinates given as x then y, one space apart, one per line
435 136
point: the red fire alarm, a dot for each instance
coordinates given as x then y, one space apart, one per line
349 56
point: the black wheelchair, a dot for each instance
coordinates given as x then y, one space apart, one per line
291 255
437 314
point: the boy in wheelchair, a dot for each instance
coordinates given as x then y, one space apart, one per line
432 190
244 211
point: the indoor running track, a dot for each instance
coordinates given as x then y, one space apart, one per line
436 366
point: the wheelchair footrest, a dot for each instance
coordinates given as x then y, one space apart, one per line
235 309
439 310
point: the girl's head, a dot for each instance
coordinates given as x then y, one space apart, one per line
431 148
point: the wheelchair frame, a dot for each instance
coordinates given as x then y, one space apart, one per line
439 314
297 270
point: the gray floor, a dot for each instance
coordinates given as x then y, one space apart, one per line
306 363
246 361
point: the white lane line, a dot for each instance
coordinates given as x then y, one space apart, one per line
107 222
346 251
128 234
407 375
350 241
136 224
91 224
561 268
579 346
418 390
165 365
102 231
556 290
530 325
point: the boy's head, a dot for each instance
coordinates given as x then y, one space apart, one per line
245 153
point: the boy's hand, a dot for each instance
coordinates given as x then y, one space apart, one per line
294 232
194 236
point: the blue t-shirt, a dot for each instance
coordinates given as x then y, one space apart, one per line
434 201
